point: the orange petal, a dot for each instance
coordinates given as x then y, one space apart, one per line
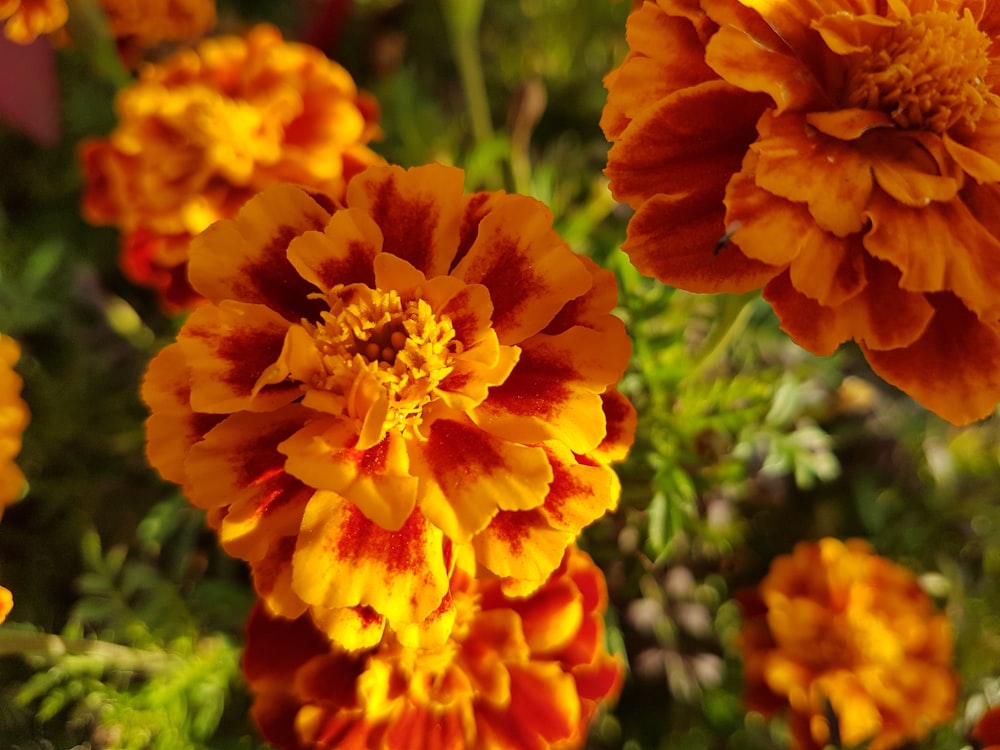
341 254
983 142
238 465
528 268
939 247
417 211
350 628
544 709
590 309
245 259
272 578
521 544
6 603
421 727
953 369
799 164
227 348
376 480
551 617
909 168
690 142
553 393
621 420
581 491
672 239
467 475
973 162
476 206
344 560
848 124
851 33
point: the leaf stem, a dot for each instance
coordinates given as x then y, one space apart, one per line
54 647
731 321
463 18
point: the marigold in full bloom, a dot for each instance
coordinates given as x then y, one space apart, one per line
517 673
13 419
25 20
207 128
844 156
834 626
373 383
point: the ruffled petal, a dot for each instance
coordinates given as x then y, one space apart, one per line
521 545
341 254
581 491
467 475
272 577
344 560
589 309
544 708
621 419
553 393
953 369
245 259
527 267
227 348
417 210
351 628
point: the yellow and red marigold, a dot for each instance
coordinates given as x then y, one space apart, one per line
372 384
517 673
850 153
14 418
25 20
834 627
207 128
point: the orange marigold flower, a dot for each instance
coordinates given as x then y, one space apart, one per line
987 729
25 20
148 22
207 128
13 419
834 628
370 384
516 673
844 156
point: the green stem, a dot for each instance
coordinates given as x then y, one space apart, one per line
463 18
731 321
55 647
88 28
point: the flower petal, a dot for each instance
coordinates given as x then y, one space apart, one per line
581 491
467 475
245 259
227 348
344 560
351 628
341 254
272 578
528 268
521 545
953 369
621 419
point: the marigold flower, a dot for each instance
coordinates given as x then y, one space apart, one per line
26 20
148 22
372 384
843 156
6 603
13 419
206 129
987 729
835 627
516 673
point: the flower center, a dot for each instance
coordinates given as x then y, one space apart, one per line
384 354
928 72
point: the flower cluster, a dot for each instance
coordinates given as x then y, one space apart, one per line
522 673
372 386
837 633
13 419
843 156
140 22
204 130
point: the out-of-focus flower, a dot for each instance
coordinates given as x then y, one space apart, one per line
517 673
25 20
206 129
372 384
987 729
843 156
6 603
835 629
13 419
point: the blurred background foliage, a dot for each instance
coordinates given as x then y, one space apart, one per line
127 622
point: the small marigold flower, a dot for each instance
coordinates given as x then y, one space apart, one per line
148 22
843 156
204 130
26 20
372 384
14 418
987 730
516 673
834 629
6 603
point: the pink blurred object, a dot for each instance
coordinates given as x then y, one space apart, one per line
29 89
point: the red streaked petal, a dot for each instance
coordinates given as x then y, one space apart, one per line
521 544
476 207
344 560
272 578
580 492
341 254
953 369
417 210
467 475
621 419
528 268
544 709
551 617
350 628
245 259
377 480
227 348
418 727
553 393
592 308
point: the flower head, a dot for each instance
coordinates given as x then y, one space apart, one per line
517 673
373 384
834 628
204 130
25 20
843 156
146 22
13 419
